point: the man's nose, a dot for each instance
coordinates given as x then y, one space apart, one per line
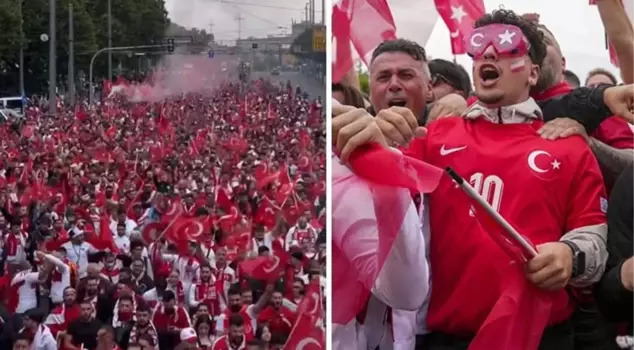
490 53
395 84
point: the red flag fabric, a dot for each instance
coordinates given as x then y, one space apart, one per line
521 314
459 16
264 268
350 285
403 171
364 24
306 335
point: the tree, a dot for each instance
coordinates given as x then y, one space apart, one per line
134 23
9 40
364 82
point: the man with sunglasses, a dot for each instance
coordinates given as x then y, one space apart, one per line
448 78
551 191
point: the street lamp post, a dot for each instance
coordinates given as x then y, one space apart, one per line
110 49
109 39
21 59
52 59
71 55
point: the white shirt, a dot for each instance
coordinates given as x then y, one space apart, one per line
27 296
402 283
130 225
57 287
123 243
44 339
78 254
267 241
220 320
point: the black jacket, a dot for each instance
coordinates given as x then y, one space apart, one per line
615 301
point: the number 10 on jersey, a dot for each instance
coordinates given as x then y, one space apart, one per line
490 187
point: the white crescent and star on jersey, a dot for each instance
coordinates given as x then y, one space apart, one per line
532 162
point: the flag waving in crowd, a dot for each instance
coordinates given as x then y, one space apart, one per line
163 221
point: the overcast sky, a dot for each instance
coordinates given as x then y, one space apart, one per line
260 17
576 25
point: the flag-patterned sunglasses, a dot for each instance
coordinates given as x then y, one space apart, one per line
508 40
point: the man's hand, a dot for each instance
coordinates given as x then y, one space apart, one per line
562 128
620 100
627 274
551 269
399 125
353 127
452 105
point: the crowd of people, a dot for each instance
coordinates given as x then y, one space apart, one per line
193 221
436 269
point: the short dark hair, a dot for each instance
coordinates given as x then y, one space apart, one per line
234 290
168 295
537 51
572 78
35 314
236 320
452 73
405 46
601 71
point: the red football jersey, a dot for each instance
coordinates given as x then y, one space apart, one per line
543 188
615 132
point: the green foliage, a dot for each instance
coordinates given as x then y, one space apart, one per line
364 83
134 22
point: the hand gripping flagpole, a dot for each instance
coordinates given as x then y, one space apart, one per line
471 192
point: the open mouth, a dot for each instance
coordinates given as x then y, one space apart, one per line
398 103
489 73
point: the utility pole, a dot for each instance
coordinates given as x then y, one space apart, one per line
323 12
306 14
21 59
109 39
312 12
71 54
239 19
52 58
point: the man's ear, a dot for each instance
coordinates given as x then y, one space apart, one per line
533 75
430 93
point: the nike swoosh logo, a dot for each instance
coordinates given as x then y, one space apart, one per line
454 34
447 151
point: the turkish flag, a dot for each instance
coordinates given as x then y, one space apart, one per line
264 268
459 16
363 23
306 335
311 304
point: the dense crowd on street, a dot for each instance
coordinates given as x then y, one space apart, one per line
191 221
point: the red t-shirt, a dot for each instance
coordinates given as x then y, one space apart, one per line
544 188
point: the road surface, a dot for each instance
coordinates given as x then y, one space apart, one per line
312 87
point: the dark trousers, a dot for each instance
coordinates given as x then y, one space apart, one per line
557 337
590 329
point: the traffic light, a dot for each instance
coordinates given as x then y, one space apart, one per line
170 45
